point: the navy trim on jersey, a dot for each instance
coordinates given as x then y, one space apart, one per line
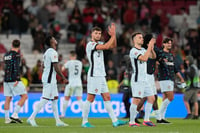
138 56
136 70
50 73
92 61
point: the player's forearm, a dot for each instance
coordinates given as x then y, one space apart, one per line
146 55
153 54
179 76
110 42
58 71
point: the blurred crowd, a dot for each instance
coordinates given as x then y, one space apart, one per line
50 17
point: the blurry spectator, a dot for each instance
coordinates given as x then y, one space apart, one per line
194 43
25 71
33 23
37 73
80 48
70 5
88 13
111 71
52 8
62 16
76 15
5 17
33 8
3 50
1 76
183 28
38 39
44 16
172 23
144 15
19 23
192 80
165 33
99 18
156 22
129 16
117 21
55 30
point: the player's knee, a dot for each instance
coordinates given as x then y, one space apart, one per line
106 98
25 96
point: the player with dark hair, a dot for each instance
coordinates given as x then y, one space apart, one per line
12 84
50 90
166 76
139 80
96 74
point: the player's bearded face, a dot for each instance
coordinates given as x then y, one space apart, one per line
96 35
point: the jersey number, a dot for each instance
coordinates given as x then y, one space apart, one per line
76 70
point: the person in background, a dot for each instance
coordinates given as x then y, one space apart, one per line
192 85
12 84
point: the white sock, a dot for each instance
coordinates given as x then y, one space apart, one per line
163 108
85 112
38 107
157 114
6 114
16 111
55 110
65 104
80 102
133 113
148 108
110 111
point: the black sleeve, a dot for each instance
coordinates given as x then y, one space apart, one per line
16 67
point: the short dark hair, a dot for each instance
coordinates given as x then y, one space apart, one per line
48 40
166 40
96 28
147 38
73 53
16 43
134 34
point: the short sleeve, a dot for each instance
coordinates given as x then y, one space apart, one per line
134 53
92 45
66 65
54 57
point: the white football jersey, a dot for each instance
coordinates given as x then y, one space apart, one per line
74 71
49 73
96 59
139 67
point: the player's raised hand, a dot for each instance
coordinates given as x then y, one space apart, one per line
152 42
112 29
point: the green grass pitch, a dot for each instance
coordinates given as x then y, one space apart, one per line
102 125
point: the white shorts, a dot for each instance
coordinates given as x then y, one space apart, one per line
166 85
50 90
141 89
73 90
97 85
10 90
75 82
151 81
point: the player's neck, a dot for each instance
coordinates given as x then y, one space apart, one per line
166 50
15 49
138 46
